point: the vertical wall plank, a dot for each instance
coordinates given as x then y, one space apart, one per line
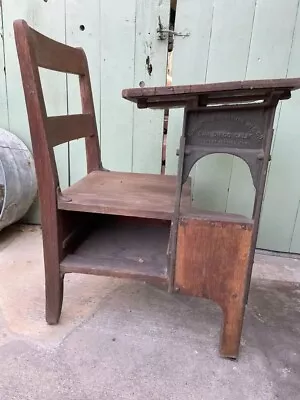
189 62
148 124
39 15
225 32
117 33
83 30
49 18
230 31
283 191
271 31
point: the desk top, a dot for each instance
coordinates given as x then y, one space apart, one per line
179 96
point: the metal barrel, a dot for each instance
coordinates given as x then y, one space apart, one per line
18 185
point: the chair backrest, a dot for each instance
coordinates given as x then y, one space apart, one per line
36 50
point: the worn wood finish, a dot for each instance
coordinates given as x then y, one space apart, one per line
212 262
65 128
181 95
56 56
54 225
140 195
46 173
130 248
41 16
83 27
222 118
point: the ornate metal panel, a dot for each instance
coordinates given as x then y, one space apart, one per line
238 131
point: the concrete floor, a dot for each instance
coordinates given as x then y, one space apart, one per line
125 340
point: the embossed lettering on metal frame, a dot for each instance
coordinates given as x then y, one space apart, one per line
238 131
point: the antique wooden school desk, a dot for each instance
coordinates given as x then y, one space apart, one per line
143 226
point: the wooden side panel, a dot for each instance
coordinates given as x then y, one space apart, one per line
150 70
212 262
212 258
271 31
83 30
41 16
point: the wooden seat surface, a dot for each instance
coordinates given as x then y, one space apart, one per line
131 194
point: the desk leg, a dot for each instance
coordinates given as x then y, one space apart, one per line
212 262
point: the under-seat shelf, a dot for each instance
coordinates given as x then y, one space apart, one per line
123 247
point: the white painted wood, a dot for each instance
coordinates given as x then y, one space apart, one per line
148 124
117 33
230 31
131 139
189 62
225 32
43 16
83 30
270 57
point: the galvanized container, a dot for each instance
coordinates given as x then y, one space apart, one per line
18 186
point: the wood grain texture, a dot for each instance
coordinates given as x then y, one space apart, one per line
117 71
271 31
195 18
278 222
150 63
118 193
56 56
46 172
131 55
40 15
219 90
64 128
212 262
123 248
231 30
83 30
231 46
45 133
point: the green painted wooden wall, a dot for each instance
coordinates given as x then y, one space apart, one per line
229 40
236 40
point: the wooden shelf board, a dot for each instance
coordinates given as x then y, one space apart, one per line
124 248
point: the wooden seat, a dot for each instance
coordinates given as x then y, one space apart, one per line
118 193
109 223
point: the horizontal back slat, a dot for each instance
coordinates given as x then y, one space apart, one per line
56 56
64 128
